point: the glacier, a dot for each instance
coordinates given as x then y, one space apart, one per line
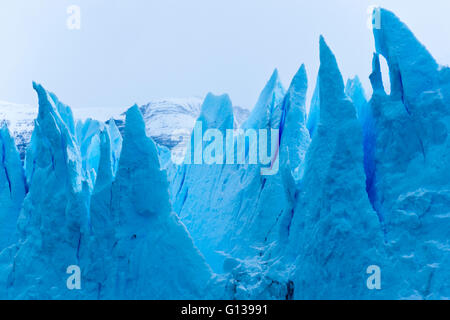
334 233
112 223
241 217
143 237
12 187
363 184
410 165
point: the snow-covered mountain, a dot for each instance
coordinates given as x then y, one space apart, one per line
20 120
168 121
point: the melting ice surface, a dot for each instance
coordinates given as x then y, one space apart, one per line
362 182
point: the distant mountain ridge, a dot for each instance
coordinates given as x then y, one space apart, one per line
168 121
20 121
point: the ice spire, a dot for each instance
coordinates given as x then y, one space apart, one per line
54 217
333 195
216 112
105 173
267 111
12 187
296 95
330 82
65 151
206 196
139 165
103 225
65 112
294 135
409 160
412 68
355 91
216 115
155 256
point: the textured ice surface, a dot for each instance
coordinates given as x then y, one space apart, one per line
360 183
410 180
120 236
54 216
295 137
231 208
12 187
147 252
334 233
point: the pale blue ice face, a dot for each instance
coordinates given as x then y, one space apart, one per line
135 50
358 211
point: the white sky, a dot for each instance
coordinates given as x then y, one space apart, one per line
131 51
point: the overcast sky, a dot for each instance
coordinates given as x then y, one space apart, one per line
131 51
